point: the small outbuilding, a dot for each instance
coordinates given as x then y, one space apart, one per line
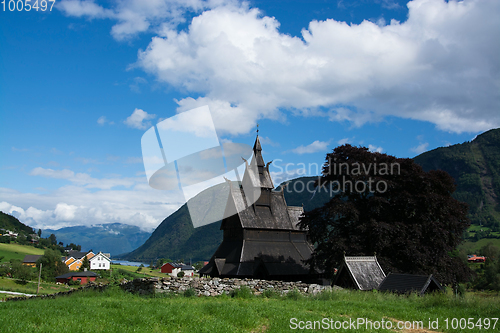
31 259
408 283
83 277
362 273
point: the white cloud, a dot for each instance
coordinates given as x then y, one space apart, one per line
103 120
139 119
440 66
83 179
312 148
374 149
75 205
343 141
136 16
420 148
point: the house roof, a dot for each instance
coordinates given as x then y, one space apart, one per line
101 255
77 274
364 273
406 283
31 258
77 254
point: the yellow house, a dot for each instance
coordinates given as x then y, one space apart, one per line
75 259
30 260
75 265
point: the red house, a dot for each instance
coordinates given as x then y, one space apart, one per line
83 277
174 268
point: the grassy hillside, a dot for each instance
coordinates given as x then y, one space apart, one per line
117 311
16 251
475 166
11 223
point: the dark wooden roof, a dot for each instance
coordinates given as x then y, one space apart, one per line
261 236
77 274
31 258
407 283
363 273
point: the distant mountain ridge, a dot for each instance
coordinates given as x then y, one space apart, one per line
114 238
176 238
475 166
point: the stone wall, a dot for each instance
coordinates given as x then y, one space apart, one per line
216 286
88 286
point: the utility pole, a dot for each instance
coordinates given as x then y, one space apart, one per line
39 274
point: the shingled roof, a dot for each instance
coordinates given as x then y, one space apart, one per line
407 283
261 235
31 258
363 273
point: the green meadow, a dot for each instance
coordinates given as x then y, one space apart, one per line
17 251
116 311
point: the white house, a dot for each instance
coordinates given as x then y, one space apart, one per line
100 261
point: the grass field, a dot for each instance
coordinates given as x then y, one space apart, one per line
473 247
145 270
117 311
8 284
16 251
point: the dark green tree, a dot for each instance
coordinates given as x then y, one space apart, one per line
53 239
52 264
85 264
39 232
20 271
390 207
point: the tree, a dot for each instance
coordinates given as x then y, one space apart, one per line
85 264
52 264
20 271
39 232
53 239
390 207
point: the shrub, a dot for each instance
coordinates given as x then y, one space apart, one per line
189 292
270 293
294 295
180 274
242 292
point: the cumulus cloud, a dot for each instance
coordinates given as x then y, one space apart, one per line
136 16
75 205
139 119
375 149
312 148
420 148
440 66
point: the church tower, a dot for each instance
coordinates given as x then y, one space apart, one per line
261 237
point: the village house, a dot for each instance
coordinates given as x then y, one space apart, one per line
82 277
173 269
100 261
74 259
31 259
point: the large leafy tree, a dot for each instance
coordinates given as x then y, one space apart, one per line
390 207
52 264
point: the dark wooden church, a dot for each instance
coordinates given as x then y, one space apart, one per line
261 237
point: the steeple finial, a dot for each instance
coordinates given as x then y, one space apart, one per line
257 129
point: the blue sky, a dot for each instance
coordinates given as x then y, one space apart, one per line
81 84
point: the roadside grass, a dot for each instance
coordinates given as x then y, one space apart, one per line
8 284
116 311
17 251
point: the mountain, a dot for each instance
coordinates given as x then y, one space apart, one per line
176 238
114 238
475 166
9 222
